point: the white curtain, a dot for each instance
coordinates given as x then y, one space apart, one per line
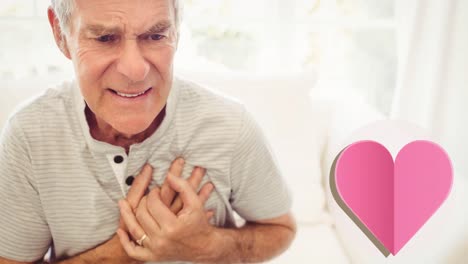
432 89
432 92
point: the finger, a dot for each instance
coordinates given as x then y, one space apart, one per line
176 205
203 195
147 222
196 177
122 223
139 186
132 249
205 192
130 220
159 211
188 195
167 193
194 180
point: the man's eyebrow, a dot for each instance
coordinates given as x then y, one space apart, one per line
98 29
159 27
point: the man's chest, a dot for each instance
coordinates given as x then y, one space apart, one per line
81 202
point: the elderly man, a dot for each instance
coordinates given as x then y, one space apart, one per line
68 158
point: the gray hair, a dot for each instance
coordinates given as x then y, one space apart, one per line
64 9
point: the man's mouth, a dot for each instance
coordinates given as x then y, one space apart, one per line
131 95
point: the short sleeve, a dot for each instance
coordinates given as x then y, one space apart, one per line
259 191
24 233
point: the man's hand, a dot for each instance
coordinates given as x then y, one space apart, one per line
169 196
169 236
187 235
111 251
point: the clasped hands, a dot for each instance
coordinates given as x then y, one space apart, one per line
170 222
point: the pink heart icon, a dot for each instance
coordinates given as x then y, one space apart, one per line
392 200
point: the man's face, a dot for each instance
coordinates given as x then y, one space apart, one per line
122 53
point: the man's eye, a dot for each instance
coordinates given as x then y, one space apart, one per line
106 38
155 37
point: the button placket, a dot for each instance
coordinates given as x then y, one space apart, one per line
136 159
118 163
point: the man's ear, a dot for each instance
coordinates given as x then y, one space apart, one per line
59 36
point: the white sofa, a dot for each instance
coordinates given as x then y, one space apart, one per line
306 134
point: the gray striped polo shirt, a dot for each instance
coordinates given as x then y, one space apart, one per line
59 186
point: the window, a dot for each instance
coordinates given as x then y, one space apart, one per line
351 43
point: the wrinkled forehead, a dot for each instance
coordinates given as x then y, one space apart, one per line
125 16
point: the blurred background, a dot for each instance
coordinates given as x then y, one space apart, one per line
311 71
350 42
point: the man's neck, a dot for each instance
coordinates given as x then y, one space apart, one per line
102 131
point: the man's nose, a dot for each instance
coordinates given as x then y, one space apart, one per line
132 63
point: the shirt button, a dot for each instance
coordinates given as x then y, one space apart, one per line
129 180
118 159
